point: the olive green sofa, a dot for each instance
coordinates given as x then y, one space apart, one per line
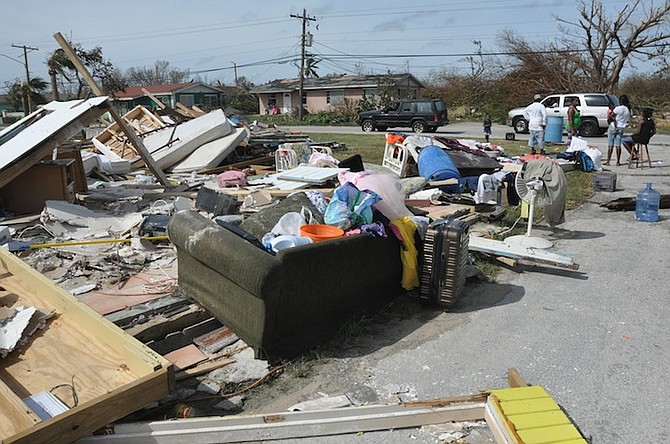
285 304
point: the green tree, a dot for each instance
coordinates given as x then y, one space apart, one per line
311 65
58 64
20 92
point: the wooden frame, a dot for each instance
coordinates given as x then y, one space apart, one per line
113 374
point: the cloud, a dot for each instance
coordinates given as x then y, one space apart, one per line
400 23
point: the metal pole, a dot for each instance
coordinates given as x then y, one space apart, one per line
304 17
25 58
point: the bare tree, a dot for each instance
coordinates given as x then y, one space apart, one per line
160 74
602 45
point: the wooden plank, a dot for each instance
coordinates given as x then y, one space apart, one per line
185 357
19 416
137 143
515 379
289 425
535 255
158 103
202 369
163 324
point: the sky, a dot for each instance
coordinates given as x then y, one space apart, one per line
259 37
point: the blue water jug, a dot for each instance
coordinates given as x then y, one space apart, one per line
646 204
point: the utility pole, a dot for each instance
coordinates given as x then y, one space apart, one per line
305 18
25 58
235 69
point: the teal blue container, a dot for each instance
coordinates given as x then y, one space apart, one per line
646 204
554 131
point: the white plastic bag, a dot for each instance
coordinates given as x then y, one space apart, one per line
289 224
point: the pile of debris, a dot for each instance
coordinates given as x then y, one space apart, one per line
94 221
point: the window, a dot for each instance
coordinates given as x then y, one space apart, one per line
568 101
304 97
335 97
596 100
211 100
406 107
551 102
370 93
165 100
424 107
186 100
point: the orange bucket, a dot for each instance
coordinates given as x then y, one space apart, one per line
319 232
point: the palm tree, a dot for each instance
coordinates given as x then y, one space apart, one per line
311 67
58 64
20 92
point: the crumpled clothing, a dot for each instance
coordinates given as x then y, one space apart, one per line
487 186
231 178
404 228
375 229
318 199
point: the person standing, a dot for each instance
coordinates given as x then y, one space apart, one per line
621 117
487 126
574 119
611 131
536 115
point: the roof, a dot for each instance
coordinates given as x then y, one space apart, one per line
339 82
133 92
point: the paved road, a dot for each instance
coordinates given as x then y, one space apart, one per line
463 130
596 339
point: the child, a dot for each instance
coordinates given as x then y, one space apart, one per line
487 127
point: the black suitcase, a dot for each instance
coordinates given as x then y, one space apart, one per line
444 257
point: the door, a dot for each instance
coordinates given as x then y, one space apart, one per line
286 105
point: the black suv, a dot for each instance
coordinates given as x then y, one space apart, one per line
419 114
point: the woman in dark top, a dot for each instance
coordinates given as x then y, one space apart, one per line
645 129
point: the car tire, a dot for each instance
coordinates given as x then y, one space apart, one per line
431 129
589 128
419 127
368 126
520 125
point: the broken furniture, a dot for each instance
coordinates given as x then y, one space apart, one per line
285 304
50 180
97 372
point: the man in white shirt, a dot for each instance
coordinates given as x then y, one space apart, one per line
621 117
536 115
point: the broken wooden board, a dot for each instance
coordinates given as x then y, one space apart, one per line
113 374
287 425
185 357
535 255
628 203
112 141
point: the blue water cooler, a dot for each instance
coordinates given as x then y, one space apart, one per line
646 204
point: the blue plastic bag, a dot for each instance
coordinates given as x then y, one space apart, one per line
350 207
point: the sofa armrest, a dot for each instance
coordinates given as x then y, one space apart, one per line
236 259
